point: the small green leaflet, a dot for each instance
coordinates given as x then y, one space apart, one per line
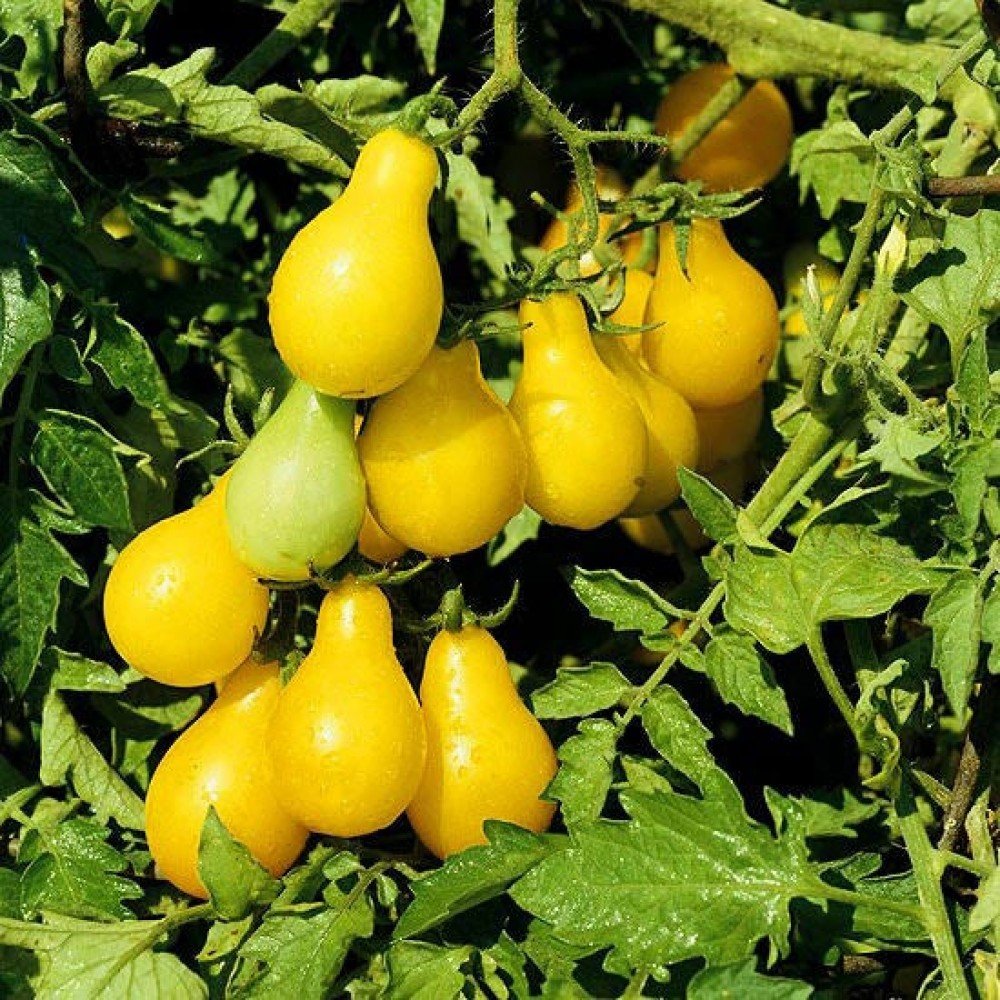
580 691
427 17
682 878
833 814
743 982
956 285
835 572
522 527
79 461
32 567
72 870
681 739
234 879
307 949
419 971
472 877
744 679
629 605
836 162
102 961
67 753
586 761
182 93
713 510
955 614
25 317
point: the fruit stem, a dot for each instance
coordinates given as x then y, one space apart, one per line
817 650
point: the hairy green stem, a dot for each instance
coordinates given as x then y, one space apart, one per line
282 40
851 898
821 660
689 562
762 40
927 875
949 859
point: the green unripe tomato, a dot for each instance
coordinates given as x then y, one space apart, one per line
296 498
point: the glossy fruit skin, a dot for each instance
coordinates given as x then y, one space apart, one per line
746 149
584 434
376 545
610 187
357 298
631 310
717 326
443 458
296 497
179 606
671 430
729 432
219 761
488 757
347 738
648 532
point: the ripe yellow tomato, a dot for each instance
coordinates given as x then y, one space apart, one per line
444 460
746 149
179 606
220 761
347 738
717 325
357 297
487 756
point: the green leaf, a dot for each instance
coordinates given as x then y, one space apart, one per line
68 754
235 880
522 527
954 613
72 870
37 24
829 814
75 672
78 460
25 318
973 382
157 226
32 567
744 679
419 971
742 982
305 949
253 367
683 878
680 738
712 509
990 626
471 877
987 908
836 572
102 961
957 285
585 770
181 93
482 217
837 162
629 605
427 17
580 691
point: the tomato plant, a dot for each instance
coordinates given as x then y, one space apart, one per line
499 514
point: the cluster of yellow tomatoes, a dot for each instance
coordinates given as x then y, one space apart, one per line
596 429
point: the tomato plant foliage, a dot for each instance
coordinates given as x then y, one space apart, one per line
775 757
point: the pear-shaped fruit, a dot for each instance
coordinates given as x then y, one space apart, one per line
443 458
376 544
670 427
487 755
179 606
347 738
220 761
584 434
717 324
357 297
296 498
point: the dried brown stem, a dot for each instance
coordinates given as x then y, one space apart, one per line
961 187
